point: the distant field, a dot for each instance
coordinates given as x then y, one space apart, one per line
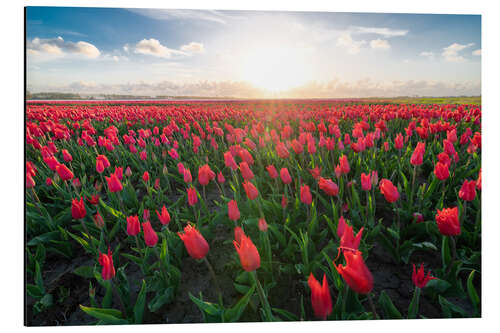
432 100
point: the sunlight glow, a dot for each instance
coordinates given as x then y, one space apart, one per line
276 68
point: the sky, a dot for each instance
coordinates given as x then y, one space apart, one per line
251 54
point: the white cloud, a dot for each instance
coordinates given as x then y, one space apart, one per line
155 48
193 47
476 52
386 32
353 47
240 89
450 53
204 15
380 44
126 48
427 54
59 47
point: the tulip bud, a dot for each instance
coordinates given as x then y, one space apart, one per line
106 261
262 224
196 246
320 297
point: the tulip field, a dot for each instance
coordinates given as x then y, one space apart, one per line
256 210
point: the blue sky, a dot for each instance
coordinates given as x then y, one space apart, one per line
250 53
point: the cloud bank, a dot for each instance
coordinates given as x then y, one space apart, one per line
59 47
240 89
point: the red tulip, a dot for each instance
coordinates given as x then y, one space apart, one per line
245 170
417 158
229 161
398 142
448 222
250 190
316 172
441 171
320 297
220 178
238 232
344 165
67 156
63 172
262 224
249 256
284 201
114 184
271 170
468 190
145 215
348 241
366 182
128 172
444 158
30 183
106 261
133 225
389 191
478 181
78 209
285 176
98 221
102 163
150 236
48 181
192 196
419 278
305 195
355 272
329 187
205 175
187 176
232 210
164 217
341 227
145 176
418 217
196 246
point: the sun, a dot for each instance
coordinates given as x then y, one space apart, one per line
275 68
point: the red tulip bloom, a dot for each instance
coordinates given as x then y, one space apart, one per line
238 232
196 246
48 181
145 215
478 181
128 172
150 236
220 178
63 172
355 272
417 158
398 141
187 176
229 161
316 172
164 217
374 178
329 187
205 175
281 150
249 256
114 184
285 176
366 182
104 160
245 170
444 158
250 190
468 190
78 209
320 297
262 224
305 195
348 241
67 156
30 183
94 200
389 191
419 278
232 210
448 222
284 201
192 196
133 225
441 171
98 221
119 172
418 217
271 170
106 261
145 176
344 165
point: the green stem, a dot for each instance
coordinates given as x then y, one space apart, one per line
212 272
372 306
263 299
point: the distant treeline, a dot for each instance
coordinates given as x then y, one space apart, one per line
73 96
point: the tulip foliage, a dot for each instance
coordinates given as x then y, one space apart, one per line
283 210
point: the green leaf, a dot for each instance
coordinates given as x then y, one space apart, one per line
425 245
449 308
390 311
243 289
38 277
160 299
208 308
44 238
471 290
108 316
34 291
139 304
413 308
234 313
438 286
84 271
